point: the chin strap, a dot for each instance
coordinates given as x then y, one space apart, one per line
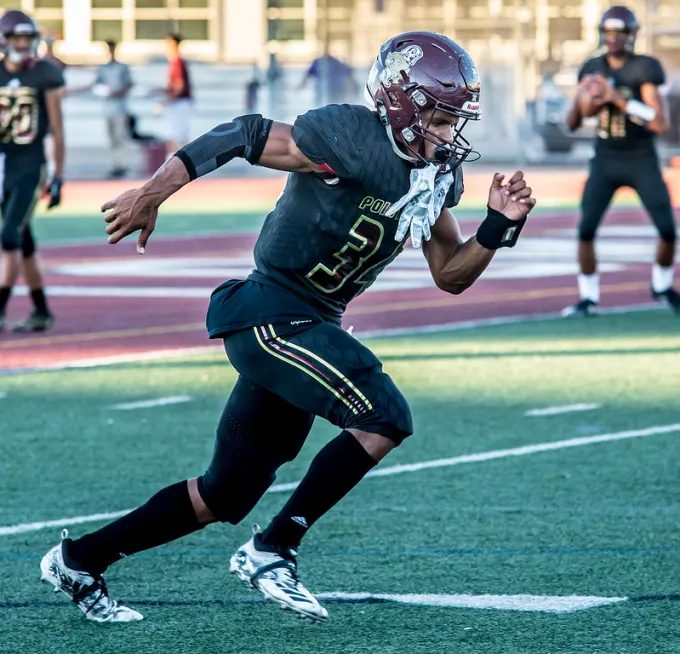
385 122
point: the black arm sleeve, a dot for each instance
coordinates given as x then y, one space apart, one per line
244 137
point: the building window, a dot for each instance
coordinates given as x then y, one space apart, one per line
107 30
194 30
46 4
193 4
153 29
151 4
286 4
107 4
286 30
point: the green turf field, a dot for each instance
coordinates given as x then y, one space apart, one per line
74 229
590 520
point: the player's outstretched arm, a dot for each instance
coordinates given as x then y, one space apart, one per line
454 264
281 152
252 137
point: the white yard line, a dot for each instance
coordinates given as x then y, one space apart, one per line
149 404
567 408
395 470
62 522
544 603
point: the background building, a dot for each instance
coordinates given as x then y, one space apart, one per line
240 31
527 51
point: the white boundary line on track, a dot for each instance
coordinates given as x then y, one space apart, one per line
392 470
154 355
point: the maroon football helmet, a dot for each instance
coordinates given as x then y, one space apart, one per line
416 71
17 23
618 28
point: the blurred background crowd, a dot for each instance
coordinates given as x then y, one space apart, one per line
222 58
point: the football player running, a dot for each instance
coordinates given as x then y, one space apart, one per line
625 155
362 183
30 102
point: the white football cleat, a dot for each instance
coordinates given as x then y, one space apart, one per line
275 575
87 591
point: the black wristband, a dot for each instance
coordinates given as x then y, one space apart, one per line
498 231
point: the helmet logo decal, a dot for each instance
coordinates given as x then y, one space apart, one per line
614 24
24 28
398 62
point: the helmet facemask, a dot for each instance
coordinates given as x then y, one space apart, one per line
21 48
618 42
448 154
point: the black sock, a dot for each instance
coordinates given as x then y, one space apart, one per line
168 515
39 300
5 292
335 470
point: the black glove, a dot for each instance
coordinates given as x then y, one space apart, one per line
53 191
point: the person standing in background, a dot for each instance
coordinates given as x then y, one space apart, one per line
113 84
630 117
252 90
30 101
178 97
333 81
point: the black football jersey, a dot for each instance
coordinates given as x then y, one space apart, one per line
616 131
23 111
328 237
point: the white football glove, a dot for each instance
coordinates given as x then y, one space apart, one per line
422 204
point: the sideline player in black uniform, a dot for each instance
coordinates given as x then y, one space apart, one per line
625 154
30 101
361 183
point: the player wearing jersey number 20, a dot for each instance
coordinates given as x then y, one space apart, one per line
30 103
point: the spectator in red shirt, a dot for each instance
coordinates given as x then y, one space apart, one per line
178 97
